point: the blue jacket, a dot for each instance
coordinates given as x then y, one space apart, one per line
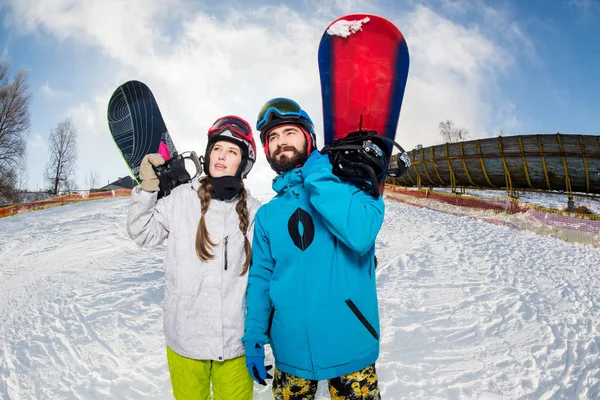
311 288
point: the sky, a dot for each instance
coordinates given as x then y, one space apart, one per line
516 67
468 309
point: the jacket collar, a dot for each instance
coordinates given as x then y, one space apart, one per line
195 185
288 180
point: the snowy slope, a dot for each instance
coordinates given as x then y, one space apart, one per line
468 309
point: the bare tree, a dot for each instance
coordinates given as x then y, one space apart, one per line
8 191
452 134
14 126
69 186
60 169
91 180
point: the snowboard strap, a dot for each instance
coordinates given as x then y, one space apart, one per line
173 172
362 158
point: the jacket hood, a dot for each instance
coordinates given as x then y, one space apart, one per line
288 180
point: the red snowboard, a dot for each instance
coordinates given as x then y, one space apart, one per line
363 65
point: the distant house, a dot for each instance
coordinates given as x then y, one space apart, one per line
126 182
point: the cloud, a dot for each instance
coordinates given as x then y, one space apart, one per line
587 10
86 118
333 9
201 66
36 141
451 77
582 5
455 6
51 93
5 51
37 156
108 25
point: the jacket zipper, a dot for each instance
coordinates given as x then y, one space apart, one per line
298 217
226 237
225 268
310 353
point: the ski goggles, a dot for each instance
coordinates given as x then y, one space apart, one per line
235 128
280 108
236 125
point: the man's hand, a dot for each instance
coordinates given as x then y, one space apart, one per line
257 369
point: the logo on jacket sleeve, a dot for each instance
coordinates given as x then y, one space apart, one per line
301 229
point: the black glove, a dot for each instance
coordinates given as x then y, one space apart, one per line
360 158
173 173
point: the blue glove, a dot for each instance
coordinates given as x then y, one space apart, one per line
257 369
317 162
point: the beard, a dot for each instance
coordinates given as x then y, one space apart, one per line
286 163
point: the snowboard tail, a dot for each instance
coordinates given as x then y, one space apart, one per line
363 66
137 126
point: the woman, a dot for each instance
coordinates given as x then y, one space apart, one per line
209 225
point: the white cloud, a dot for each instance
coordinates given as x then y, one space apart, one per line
233 63
451 76
333 9
583 5
587 11
455 6
37 156
125 30
4 55
86 118
36 141
51 93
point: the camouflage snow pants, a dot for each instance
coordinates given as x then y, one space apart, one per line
358 385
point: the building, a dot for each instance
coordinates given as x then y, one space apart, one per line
126 182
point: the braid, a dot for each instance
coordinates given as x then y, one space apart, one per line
242 210
203 242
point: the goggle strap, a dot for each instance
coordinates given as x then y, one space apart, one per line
232 129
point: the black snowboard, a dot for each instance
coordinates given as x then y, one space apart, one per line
136 125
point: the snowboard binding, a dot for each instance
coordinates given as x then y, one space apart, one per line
399 165
174 172
362 159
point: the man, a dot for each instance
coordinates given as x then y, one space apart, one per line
311 288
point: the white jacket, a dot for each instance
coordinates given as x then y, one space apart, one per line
205 301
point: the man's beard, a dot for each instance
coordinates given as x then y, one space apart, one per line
286 163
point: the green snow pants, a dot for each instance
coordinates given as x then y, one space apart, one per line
191 379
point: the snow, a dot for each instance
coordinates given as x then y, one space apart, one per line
346 28
468 309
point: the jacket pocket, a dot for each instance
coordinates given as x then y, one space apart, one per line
362 319
337 337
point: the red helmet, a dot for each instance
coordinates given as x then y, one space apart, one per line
235 130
